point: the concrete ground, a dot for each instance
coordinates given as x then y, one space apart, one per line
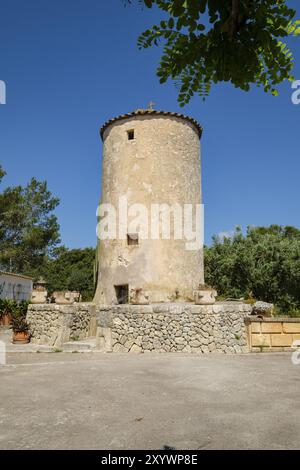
148 401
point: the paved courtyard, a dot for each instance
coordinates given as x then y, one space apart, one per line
127 401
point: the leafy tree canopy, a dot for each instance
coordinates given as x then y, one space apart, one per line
28 228
2 173
29 238
70 270
265 263
211 41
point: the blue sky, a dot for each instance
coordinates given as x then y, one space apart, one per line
71 65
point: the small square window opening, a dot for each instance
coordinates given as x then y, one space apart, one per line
130 134
132 239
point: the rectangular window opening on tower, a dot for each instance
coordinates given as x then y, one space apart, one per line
130 134
132 239
122 294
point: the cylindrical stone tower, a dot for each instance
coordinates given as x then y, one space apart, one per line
150 158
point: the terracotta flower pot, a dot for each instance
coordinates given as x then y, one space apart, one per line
5 319
21 337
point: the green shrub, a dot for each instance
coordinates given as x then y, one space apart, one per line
18 316
263 264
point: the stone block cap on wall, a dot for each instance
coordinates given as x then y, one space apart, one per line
143 112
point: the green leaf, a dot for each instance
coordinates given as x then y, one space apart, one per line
251 53
171 23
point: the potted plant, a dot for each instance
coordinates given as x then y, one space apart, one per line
19 324
6 308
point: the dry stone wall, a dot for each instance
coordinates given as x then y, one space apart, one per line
55 324
174 327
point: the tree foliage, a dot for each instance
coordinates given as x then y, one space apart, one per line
2 173
29 238
265 263
28 228
211 41
70 270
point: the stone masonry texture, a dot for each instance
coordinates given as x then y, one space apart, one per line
161 165
55 324
174 327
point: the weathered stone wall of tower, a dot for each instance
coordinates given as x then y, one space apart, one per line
160 165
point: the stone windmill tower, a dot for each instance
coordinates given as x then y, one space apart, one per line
149 158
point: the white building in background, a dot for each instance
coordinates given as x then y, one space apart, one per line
15 286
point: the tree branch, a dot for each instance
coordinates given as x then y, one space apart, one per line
234 18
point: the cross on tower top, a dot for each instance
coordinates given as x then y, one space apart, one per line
150 106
